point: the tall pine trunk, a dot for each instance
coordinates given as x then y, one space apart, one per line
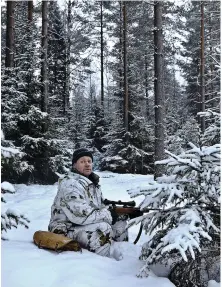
146 85
9 60
120 48
30 11
44 70
158 88
120 58
211 89
202 60
125 67
67 61
30 27
102 48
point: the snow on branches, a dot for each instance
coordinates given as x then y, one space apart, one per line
212 132
185 205
10 218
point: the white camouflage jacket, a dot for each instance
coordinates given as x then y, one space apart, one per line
78 202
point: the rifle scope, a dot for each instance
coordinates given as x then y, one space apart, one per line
119 202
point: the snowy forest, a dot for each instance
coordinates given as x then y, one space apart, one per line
138 84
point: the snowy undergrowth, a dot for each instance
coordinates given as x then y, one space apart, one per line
34 267
184 216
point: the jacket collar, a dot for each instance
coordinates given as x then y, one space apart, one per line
94 178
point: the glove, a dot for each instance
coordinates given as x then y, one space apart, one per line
105 201
58 231
60 228
113 214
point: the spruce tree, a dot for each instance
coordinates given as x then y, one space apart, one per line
10 218
184 219
12 164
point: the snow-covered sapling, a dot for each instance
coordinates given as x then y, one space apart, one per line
11 217
187 203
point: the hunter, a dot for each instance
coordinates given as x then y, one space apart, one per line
78 211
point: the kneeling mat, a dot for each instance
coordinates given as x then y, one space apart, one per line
53 241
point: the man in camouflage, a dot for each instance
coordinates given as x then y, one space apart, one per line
78 211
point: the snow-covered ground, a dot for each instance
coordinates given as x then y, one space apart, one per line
24 265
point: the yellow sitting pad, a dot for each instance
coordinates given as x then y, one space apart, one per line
53 241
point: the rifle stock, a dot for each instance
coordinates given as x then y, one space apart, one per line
131 211
126 210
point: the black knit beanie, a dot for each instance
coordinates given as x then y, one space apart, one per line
79 153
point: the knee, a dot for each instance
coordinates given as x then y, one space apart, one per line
120 231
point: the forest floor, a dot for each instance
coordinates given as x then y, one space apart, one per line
24 265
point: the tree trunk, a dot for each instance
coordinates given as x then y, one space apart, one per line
120 49
120 104
9 59
44 72
126 95
158 88
102 80
67 61
30 11
211 89
202 60
30 56
146 85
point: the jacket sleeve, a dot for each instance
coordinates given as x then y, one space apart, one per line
77 209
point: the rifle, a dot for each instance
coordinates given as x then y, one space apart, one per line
129 208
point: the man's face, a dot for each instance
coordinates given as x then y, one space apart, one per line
84 165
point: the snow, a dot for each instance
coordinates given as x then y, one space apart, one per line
2 135
9 152
180 238
213 283
6 186
34 267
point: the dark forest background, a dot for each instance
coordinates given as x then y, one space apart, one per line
124 79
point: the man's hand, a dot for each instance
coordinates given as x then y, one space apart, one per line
59 231
113 214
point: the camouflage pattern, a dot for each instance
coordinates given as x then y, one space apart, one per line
78 212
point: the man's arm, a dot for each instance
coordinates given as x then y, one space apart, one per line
76 208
